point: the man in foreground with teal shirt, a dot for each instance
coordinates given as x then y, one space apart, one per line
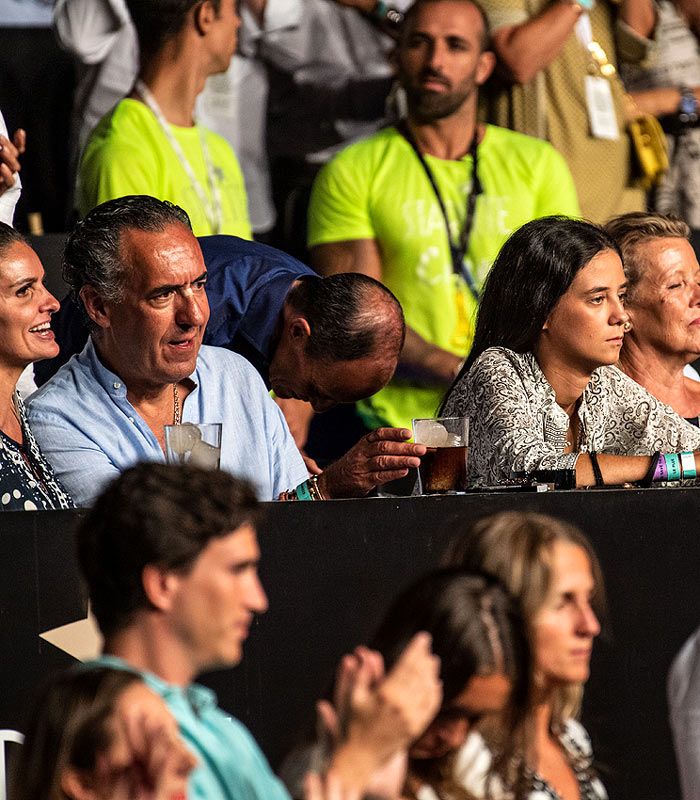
170 557
408 207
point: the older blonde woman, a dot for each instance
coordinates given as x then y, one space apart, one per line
663 304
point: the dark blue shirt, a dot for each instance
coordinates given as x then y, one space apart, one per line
247 284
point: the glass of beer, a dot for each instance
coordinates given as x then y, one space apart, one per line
444 466
198 444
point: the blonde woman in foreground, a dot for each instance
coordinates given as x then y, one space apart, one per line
550 567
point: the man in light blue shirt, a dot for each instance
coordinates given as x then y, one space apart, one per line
90 431
140 275
170 556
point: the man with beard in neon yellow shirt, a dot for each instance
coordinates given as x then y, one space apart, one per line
384 205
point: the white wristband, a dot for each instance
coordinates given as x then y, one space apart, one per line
688 465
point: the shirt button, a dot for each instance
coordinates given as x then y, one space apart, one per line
117 385
131 420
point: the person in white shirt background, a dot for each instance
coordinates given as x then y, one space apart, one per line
10 184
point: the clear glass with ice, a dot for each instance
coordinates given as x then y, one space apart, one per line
198 444
444 467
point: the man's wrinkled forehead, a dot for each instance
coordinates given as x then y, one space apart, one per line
168 256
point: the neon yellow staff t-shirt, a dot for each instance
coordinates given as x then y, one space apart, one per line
377 189
128 153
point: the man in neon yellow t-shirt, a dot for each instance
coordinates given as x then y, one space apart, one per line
375 208
150 143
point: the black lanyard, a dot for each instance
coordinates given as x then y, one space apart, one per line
458 250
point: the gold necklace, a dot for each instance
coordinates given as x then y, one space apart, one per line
177 416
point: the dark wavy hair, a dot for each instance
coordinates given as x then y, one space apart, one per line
476 629
157 21
534 268
8 237
93 253
154 514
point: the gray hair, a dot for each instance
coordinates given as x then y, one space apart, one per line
636 228
93 250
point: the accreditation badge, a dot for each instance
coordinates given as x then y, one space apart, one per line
601 109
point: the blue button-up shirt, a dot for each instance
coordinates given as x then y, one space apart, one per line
231 765
247 284
90 432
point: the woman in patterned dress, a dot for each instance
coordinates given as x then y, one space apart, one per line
550 568
27 481
540 386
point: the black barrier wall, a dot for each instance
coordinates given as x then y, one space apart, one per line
331 569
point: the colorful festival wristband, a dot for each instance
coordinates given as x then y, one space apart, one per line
660 471
688 465
673 466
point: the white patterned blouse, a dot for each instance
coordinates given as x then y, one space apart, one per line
516 425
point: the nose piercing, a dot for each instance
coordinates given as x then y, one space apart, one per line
627 327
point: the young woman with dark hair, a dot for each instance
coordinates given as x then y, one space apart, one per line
476 631
540 386
484 668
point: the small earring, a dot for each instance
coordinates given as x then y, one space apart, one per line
627 327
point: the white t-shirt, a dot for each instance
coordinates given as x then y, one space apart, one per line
9 198
684 710
473 762
25 13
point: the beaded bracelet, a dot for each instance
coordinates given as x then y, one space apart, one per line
390 16
308 490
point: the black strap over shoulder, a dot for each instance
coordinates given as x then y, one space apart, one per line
458 250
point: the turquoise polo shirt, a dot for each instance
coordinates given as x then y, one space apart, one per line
231 766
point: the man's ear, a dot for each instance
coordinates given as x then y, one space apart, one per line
159 586
95 306
77 785
204 15
299 328
486 65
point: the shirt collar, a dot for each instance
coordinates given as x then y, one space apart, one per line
110 381
197 696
